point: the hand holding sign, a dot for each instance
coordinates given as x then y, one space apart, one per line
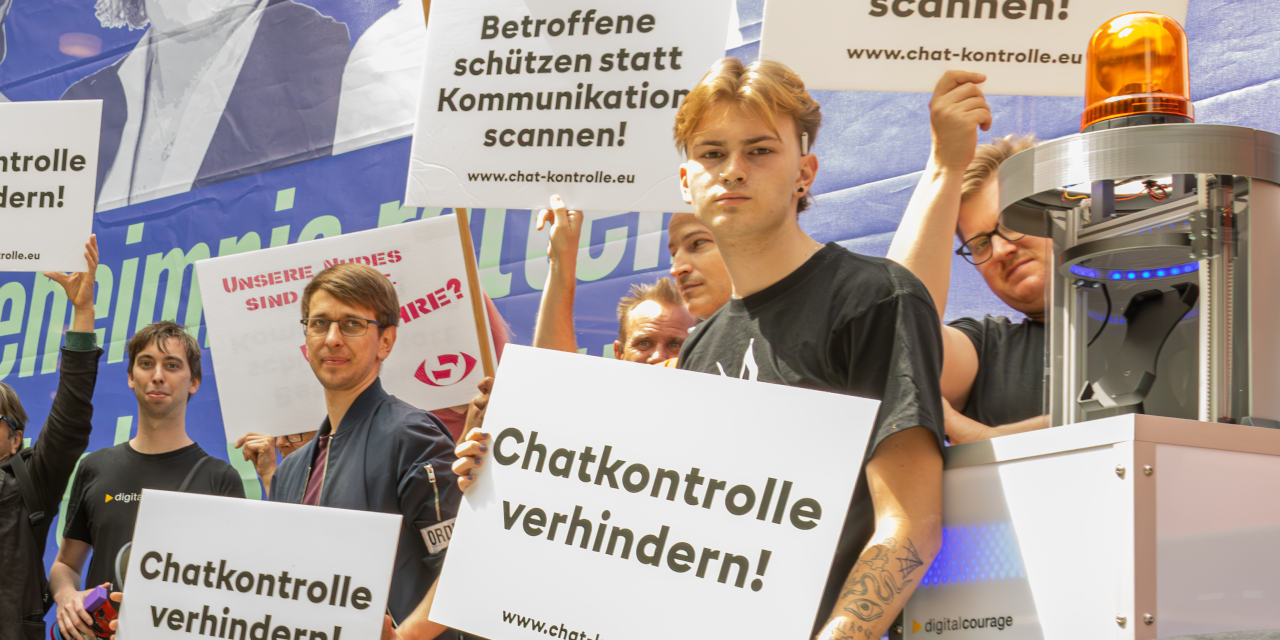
79 287
958 109
566 232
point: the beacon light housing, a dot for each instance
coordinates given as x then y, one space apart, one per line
1136 73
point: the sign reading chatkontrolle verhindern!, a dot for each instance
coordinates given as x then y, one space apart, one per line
253 306
48 172
525 98
203 566
592 523
1025 47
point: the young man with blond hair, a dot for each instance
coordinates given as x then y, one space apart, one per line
373 452
818 316
811 315
993 376
164 372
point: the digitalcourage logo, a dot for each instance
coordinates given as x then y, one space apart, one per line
454 367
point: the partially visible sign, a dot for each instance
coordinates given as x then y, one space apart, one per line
253 307
1025 47
522 99
587 523
200 566
48 172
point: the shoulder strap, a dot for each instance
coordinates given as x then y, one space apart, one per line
192 474
27 489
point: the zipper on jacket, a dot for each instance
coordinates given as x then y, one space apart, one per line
431 476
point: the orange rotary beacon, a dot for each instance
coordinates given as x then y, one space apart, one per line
1136 73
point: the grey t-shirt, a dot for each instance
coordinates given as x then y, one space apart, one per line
1009 386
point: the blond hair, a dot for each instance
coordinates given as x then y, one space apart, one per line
357 285
764 89
664 292
987 160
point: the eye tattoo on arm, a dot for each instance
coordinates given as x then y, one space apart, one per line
871 584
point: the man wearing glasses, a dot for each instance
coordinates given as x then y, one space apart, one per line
373 452
260 449
993 369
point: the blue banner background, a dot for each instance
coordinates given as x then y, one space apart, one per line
871 148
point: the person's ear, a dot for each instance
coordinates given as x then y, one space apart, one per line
684 183
617 350
129 373
195 386
386 342
15 443
808 173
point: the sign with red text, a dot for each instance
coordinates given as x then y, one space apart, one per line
201 566
1025 47
259 348
580 519
48 172
522 99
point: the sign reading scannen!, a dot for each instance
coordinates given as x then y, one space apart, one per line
522 99
1025 47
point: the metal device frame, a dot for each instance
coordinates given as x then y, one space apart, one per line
1231 166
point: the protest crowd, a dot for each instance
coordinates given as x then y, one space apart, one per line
749 294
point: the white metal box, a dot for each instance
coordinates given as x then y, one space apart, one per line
1129 527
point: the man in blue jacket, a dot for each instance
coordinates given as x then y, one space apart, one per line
374 452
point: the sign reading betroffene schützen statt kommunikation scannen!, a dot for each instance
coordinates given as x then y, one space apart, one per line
524 99
48 171
1025 47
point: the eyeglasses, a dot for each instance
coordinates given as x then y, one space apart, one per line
10 423
351 327
977 249
295 438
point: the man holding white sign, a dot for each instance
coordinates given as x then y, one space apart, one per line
373 452
809 315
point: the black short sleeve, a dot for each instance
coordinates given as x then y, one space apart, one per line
230 484
77 524
972 329
912 394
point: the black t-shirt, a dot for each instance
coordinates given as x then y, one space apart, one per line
844 323
1009 386
104 498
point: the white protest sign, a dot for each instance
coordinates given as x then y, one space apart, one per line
252 308
662 504
48 173
522 99
208 566
1025 47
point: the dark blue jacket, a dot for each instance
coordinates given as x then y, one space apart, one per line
389 457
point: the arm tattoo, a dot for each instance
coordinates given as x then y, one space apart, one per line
872 585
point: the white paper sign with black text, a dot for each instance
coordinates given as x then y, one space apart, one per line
48 172
215 567
684 512
252 304
1025 47
522 99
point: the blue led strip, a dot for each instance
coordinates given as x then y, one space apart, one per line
976 553
1135 274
